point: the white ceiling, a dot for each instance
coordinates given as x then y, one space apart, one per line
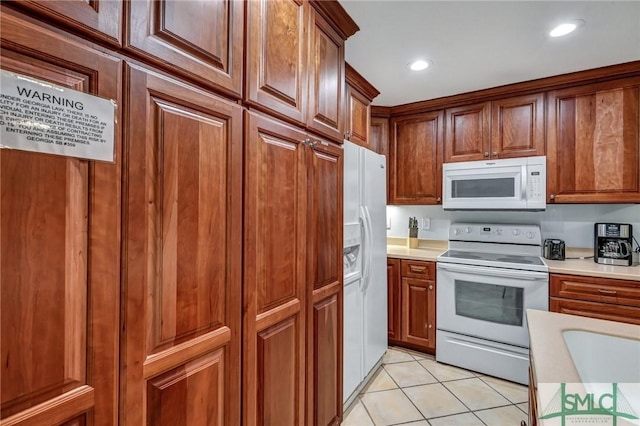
480 44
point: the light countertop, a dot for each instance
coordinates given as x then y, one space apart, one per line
429 250
551 357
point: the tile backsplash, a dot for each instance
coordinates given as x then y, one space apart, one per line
571 222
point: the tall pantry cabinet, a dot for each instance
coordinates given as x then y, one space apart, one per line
198 279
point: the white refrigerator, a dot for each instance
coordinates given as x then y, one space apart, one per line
365 260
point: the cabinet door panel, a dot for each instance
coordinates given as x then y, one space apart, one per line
394 295
326 79
59 251
467 134
418 312
605 311
517 128
416 159
200 39
274 274
358 121
182 290
325 293
379 136
101 19
277 57
594 143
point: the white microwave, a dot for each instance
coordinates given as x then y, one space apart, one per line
505 184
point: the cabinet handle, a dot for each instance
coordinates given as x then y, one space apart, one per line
486 153
438 199
495 153
314 144
430 287
307 141
430 326
602 291
552 197
415 268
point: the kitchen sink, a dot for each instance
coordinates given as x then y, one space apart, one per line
603 358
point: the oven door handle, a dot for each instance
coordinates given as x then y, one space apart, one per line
495 272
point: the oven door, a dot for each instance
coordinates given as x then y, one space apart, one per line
489 303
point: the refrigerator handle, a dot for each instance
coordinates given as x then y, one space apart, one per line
368 253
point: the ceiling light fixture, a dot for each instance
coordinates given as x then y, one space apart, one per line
419 65
566 28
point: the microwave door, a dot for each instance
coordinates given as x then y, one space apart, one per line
496 188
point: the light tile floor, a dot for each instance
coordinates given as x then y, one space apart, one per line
412 389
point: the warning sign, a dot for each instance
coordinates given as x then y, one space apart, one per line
42 117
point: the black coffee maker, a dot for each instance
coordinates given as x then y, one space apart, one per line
613 244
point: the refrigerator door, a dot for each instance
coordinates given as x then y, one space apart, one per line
351 202
373 195
352 359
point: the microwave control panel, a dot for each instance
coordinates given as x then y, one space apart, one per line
536 184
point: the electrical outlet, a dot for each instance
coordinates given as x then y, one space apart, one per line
388 222
426 223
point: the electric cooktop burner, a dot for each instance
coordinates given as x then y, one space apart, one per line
492 257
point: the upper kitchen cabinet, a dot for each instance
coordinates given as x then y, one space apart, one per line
593 153
60 249
468 133
99 19
504 128
277 57
199 40
326 79
415 159
360 93
379 135
295 62
517 127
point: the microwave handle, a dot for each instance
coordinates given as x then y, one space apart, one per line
496 272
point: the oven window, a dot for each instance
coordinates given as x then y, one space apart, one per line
488 302
480 188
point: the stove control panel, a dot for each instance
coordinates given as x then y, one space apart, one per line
496 233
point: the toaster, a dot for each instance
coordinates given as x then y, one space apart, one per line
553 249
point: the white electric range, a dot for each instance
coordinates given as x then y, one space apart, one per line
486 280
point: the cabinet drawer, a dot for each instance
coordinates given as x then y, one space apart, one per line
605 290
605 311
419 269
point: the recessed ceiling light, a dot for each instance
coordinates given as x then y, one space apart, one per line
566 27
419 65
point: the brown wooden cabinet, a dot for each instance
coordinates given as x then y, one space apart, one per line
277 51
394 295
293 276
182 285
379 136
295 62
326 79
200 40
503 128
593 153
415 159
360 93
412 303
60 251
603 298
95 19
324 284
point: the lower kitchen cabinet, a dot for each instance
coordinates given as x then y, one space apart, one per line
394 293
603 298
292 277
412 303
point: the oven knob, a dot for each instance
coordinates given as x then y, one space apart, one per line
529 235
456 231
468 229
516 232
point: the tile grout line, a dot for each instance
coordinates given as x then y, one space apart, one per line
500 393
405 395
